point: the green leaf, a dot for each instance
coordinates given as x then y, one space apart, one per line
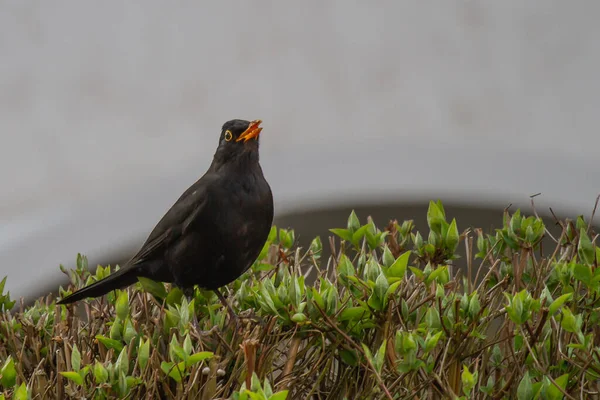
381 287
375 238
331 300
342 233
519 306
286 238
75 359
525 388
392 289
110 343
268 390
432 341
368 354
174 297
468 380
434 239
197 357
380 357
144 353
5 302
489 388
295 292
418 241
349 357
375 303
435 218
353 222
408 343
318 299
187 344
387 258
580 223
266 298
128 331
255 385
569 322
537 388
359 234
116 330
398 268
452 236
474 306
122 305
316 247
99 272
345 267
122 385
73 376
518 342
82 262
515 222
530 235
21 393
8 373
100 373
441 208
556 304
122 363
432 318
583 273
171 319
282 395
440 275
299 318
172 370
156 289
353 314
272 234
418 273
585 248
176 352
553 392
372 270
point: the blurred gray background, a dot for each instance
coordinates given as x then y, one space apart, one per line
109 110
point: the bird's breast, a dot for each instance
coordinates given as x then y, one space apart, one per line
254 219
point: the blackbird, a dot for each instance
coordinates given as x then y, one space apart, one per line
214 231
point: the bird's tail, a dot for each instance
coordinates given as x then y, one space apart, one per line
118 280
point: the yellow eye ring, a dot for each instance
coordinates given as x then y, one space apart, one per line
228 135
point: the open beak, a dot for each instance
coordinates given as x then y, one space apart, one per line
252 132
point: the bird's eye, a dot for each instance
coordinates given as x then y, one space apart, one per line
228 135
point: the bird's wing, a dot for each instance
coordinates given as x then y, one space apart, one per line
177 220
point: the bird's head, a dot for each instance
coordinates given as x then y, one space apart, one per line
238 138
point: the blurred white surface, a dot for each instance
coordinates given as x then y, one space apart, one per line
109 110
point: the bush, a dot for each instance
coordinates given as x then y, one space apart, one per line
389 315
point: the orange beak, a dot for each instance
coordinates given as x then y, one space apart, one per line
252 132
